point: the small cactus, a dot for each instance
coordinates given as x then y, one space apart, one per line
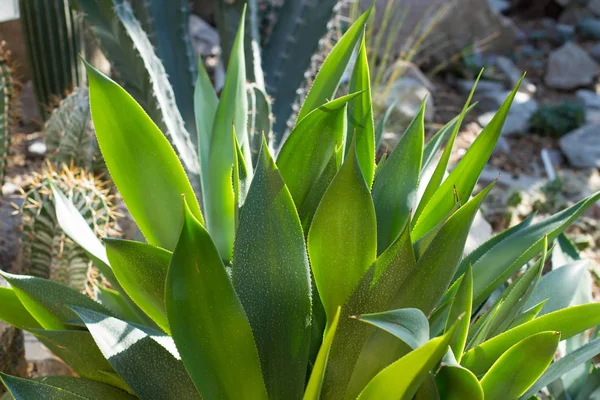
70 136
6 97
46 251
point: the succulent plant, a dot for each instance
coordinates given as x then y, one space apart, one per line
6 113
47 251
54 39
306 275
69 134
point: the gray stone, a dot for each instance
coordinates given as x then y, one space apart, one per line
483 86
594 7
37 148
513 75
481 232
589 98
589 28
517 120
582 146
407 93
570 67
595 51
565 31
573 14
499 6
204 38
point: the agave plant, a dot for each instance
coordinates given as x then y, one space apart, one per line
301 276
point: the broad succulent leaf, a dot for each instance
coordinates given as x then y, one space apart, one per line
454 382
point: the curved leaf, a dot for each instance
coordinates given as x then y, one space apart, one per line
568 322
271 276
342 238
127 348
313 388
360 115
61 388
395 189
13 312
408 324
204 314
455 382
520 366
564 365
310 146
141 162
49 302
328 79
232 110
461 305
141 269
402 379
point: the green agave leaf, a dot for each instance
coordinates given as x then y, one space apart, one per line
128 348
402 379
79 351
381 125
568 322
379 166
196 282
342 238
240 178
527 315
428 389
558 287
142 272
49 302
563 366
565 252
141 161
440 170
232 110
373 293
455 382
328 79
463 178
309 148
432 148
360 115
408 324
75 227
205 108
317 376
271 276
518 368
481 329
435 269
120 307
461 305
13 312
395 189
500 262
516 295
61 388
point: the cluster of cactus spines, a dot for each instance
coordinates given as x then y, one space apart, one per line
46 251
54 39
167 24
140 72
6 100
70 136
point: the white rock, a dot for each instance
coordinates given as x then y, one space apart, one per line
517 121
582 146
465 86
594 7
570 67
37 148
9 188
481 232
589 98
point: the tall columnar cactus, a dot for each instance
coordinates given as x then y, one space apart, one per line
6 97
70 136
54 39
47 252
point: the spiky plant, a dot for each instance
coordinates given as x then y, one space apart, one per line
69 134
47 251
310 276
7 92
